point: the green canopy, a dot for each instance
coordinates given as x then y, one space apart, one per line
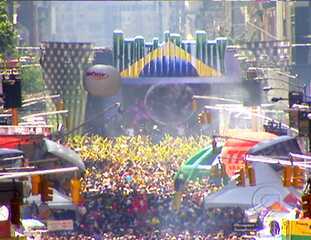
199 165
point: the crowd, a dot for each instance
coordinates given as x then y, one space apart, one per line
128 192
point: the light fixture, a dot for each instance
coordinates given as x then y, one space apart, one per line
4 213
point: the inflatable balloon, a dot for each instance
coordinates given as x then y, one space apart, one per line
102 80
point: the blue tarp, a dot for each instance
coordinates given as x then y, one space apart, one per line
9 153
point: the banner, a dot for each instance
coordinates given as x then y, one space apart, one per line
60 225
297 229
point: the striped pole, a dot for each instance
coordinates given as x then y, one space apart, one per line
118 48
166 36
127 53
155 43
200 46
156 63
149 49
176 40
212 53
221 48
162 60
192 49
201 37
140 52
186 45
184 67
132 51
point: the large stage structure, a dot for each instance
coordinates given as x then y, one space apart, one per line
159 79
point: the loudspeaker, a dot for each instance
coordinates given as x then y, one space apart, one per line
12 94
295 97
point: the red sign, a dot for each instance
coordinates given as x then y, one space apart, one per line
60 225
5 229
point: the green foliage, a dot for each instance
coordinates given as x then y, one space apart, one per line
32 80
7 33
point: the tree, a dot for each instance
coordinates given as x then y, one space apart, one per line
7 33
32 80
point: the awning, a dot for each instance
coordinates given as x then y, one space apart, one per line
268 190
60 201
10 157
10 153
235 148
278 207
32 224
64 153
280 146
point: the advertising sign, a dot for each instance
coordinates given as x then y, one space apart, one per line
296 229
60 225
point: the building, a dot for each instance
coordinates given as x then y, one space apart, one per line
78 21
301 57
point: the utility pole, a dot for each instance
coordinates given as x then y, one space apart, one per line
228 13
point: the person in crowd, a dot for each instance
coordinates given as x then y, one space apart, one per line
128 190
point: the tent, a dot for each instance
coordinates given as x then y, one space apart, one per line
8 153
238 145
64 153
199 164
60 201
32 224
268 190
292 200
278 207
280 146
10 157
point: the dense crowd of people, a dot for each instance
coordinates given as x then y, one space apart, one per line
128 192
152 236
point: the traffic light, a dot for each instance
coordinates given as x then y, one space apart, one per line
46 190
208 116
223 170
75 191
35 184
306 205
298 177
214 171
15 211
295 97
240 181
214 145
251 176
60 105
287 176
204 117
194 105
200 119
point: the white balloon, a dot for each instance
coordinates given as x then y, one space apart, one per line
102 80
